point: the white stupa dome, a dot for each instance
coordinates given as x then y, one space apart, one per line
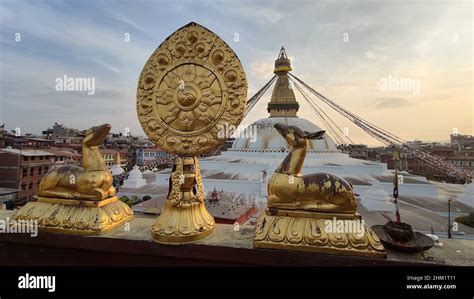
268 139
116 170
135 179
376 199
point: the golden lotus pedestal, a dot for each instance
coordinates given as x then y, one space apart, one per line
315 232
73 216
185 218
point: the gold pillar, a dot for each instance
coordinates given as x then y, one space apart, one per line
185 218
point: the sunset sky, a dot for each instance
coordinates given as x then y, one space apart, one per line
345 50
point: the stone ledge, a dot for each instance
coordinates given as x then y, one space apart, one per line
224 247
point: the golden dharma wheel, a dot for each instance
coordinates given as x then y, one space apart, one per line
191 87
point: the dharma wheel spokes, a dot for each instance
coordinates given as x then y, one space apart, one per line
192 85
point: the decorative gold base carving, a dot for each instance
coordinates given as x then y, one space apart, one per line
182 224
185 218
308 233
307 214
78 217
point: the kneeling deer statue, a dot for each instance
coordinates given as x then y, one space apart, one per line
92 181
319 192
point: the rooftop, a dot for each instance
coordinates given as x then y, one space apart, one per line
225 208
26 152
62 153
108 151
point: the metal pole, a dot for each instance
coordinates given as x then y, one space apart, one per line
449 218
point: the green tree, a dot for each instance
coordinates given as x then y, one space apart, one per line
466 220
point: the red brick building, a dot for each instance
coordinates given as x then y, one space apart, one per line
65 156
24 169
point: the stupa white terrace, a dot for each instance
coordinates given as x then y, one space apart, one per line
243 169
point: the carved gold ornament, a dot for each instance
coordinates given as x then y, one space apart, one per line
303 210
192 85
78 200
76 217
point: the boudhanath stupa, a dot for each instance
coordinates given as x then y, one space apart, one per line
243 169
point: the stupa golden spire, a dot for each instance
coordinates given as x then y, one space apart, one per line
283 102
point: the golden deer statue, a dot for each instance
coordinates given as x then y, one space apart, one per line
78 200
313 212
289 189
92 181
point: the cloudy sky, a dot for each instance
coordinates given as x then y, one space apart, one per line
348 51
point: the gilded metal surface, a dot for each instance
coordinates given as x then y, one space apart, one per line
79 200
300 206
310 235
289 189
185 218
283 102
190 85
68 217
92 181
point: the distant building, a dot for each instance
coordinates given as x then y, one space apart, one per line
24 169
64 156
359 151
109 156
24 142
147 155
229 212
61 134
126 158
120 141
463 156
462 142
463 161
460 153
407 161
